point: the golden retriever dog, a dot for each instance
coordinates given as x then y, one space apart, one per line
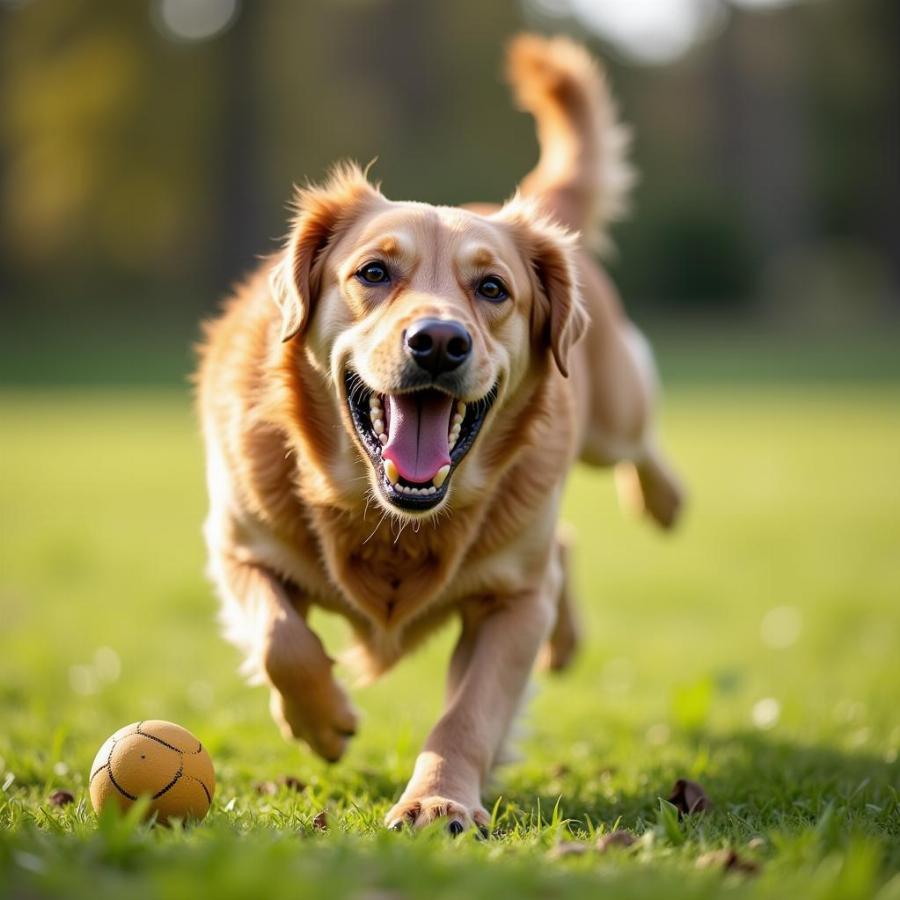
390 408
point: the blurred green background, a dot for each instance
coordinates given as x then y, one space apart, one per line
147 153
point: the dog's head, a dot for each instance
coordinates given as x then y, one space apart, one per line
424 319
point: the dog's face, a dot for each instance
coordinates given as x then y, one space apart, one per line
424 319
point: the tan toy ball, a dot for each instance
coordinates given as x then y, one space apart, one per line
159 760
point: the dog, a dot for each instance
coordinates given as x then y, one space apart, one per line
390 407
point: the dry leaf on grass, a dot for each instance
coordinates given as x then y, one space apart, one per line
728 861
568 848
688 797
615 839
604 844
61 798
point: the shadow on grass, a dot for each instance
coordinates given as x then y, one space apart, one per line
757 784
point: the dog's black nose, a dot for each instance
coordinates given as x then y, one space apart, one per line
438 345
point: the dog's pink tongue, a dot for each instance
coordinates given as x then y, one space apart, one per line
417 434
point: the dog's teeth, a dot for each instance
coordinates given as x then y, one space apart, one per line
374 402
457 419
431 490
390 471
383 438
461 407
440 476
378 426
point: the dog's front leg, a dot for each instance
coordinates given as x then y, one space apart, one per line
306 701
488 676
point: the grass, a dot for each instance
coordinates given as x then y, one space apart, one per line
757 651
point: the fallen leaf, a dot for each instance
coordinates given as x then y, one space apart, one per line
615 839
728 861
61 798
321 821
293 784
567 848
688 797
266 788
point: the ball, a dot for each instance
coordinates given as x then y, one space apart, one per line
154 759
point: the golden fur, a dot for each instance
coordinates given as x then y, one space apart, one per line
297 515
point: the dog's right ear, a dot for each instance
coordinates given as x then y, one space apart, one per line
321 213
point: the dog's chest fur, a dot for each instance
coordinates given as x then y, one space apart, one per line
389 574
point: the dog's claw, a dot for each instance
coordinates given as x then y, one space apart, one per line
457 818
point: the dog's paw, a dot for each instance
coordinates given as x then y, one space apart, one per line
419 812
662 492
326 721
558 652
651 488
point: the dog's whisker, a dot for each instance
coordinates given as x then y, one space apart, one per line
377 526
403 525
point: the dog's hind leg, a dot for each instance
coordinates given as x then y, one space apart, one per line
646 482
622 388
565 638
649 486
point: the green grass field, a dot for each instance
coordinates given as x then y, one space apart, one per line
756 651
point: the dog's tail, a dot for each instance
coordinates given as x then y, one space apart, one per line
583 177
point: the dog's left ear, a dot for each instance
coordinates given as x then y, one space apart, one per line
558 315
322 213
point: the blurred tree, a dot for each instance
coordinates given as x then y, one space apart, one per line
239 199
139 174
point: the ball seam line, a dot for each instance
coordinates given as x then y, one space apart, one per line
171 784
159 740
201 783
118 786
112 777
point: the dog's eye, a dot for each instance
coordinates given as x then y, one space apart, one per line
492 288
373 273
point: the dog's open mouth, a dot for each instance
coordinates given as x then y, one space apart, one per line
415 439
